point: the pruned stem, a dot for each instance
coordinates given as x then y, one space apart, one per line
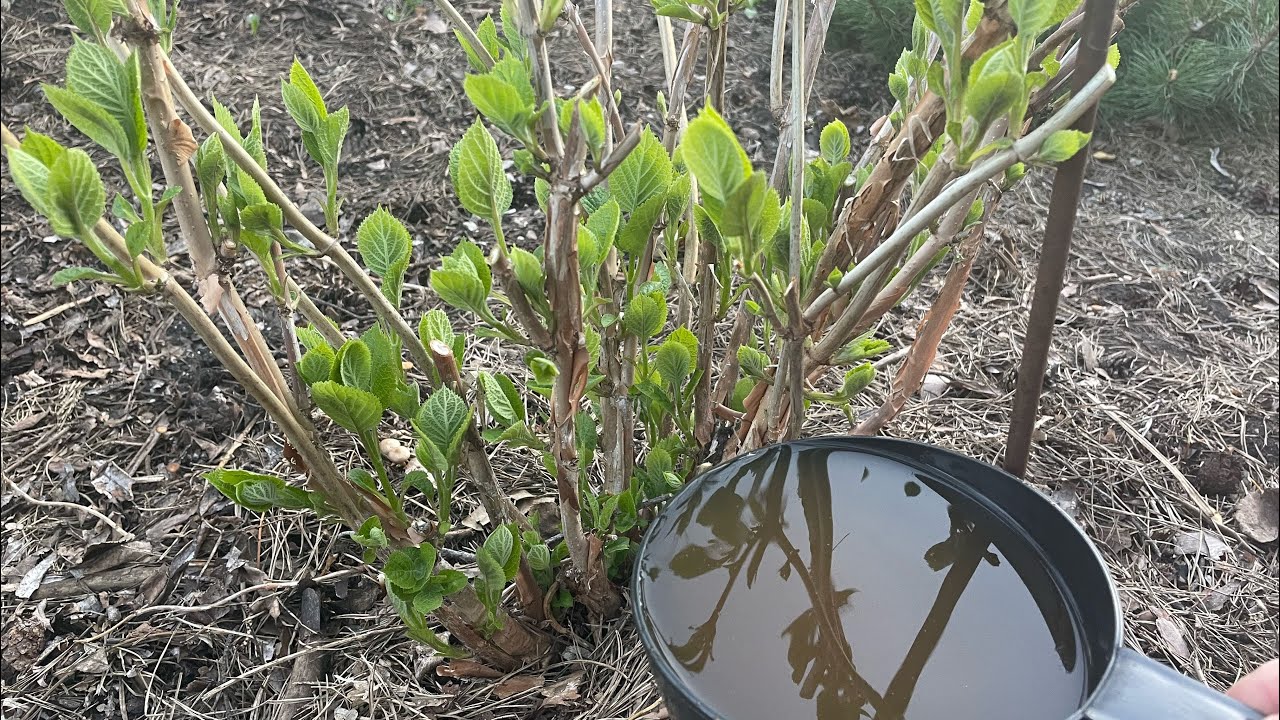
323 243
813 40
174 145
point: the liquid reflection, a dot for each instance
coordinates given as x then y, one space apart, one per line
750 517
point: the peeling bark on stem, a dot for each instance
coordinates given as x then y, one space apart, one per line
323 243
166 130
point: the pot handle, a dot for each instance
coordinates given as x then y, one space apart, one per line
1139 688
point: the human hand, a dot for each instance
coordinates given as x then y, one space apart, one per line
1260 690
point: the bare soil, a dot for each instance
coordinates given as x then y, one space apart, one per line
1164 365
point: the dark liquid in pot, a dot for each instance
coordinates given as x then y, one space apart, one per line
832 585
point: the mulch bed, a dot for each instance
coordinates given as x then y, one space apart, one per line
1163 375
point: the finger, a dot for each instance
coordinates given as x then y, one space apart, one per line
1260 689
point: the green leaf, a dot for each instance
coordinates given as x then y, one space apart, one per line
590 116
857 379
713 155
995 85
136 237
386 371
1062 145
383 242
501 544
681 12
859 349
371 534
409 568
834 142
492 580
427 601
311 338
500 101
1031 16
685 337
639 226
517 435
91 17
211 162
76 274
539 557
743 208
443 418
258 492
458 284
477 175
753 362
300 107
32 178
643 174
435 325
354 409
264 218
528 271
76 190
603 223
502 398
447 582
422 482
586 437
91 119
96 74
41 147
673 362
355 365
316 364
1061 9
300 78
543 369
645 317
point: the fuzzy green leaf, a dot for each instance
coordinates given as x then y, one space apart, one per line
356 365
435 325
91 119
442 419
354 409
500 100
753 362
645 317
1061 146
643 174
32 178
258 492
590 116
41 147
834 142
501 544
713 155
603 224
97 75
136 237
995 85
76 190
673 362
383 242
502 398
477 174
316 364
76 274
639 226
300 107
91 17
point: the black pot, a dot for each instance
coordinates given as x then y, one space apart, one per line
1121 684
